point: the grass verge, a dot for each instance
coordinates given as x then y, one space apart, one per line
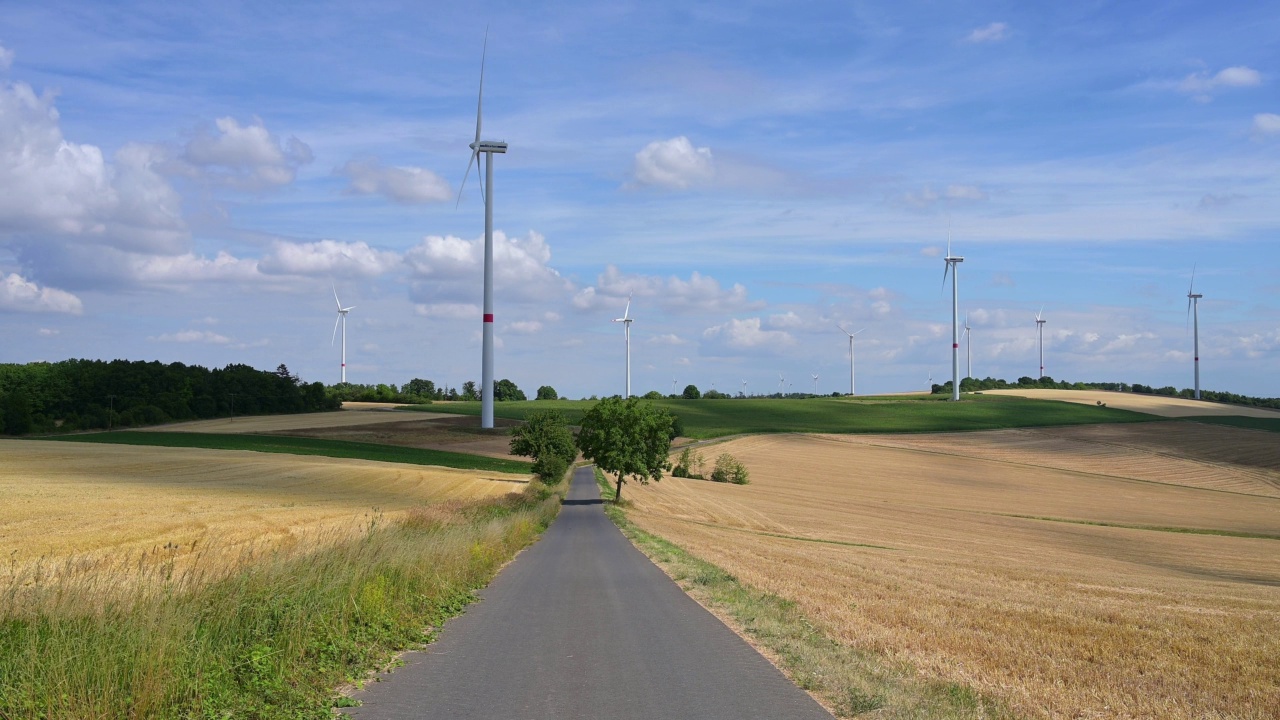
706 419
270 639
304 446
850 682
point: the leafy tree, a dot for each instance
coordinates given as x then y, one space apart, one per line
469 391
728 469
690 464
504 390
653 395
545 437
691 392
546 392
628 439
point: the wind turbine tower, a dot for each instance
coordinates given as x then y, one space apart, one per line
341 320
488 148
1040 321
968 347
1193 308
815 383
744 388
953 264
626 329
852 386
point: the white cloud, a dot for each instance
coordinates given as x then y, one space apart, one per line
787 321
247 156
995 32
54 187
927 196
21 295
965 192
407 185
1202 84
1266 124
181 269
453 266
6 58
47 332
328 257
700 293
747 334
524 327
881 308
193 336
448 311
666 339
674 164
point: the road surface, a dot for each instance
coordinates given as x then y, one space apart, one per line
582 625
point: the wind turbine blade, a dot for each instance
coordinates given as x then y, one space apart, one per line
863 329
464 179
335 330
335 297
1192 289
945 270
480 97
627 313
480 176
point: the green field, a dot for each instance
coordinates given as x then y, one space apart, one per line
717 418
304 446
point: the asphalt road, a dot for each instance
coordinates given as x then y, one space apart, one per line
582 625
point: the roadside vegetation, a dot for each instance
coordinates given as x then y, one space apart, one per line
628 439
304 446
545 436
847 681
270 638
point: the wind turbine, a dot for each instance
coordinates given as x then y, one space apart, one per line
782 383
744 388
952 267
968 346
626 329
850 334
488 147
815 383
1040 321
341 320
1193 309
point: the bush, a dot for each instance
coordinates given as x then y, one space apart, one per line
545 436
729 470
551 469
677 427
689 465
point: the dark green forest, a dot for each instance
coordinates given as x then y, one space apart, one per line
74 395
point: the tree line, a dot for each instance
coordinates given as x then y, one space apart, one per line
418 391
1048 383
72 395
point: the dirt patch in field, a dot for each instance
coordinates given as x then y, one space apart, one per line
1150 404
969 557
456 433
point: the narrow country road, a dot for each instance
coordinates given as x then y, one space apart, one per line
582 625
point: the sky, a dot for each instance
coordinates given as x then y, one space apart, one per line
190 181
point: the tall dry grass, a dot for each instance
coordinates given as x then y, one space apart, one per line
271 636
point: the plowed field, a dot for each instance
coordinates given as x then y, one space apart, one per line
1059 570
277 423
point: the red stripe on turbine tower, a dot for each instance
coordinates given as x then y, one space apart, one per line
955 346
488 317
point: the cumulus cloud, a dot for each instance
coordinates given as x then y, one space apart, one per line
449 267
54 187
406 185
748 334
1202 84
674 164
245 156
193 336
21 295
189 268
666 339
6 58
328 257
524 327
1266 124
700 293
448 311
47 332
995 32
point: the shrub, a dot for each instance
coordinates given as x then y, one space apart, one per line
729 470
551 469
545 436
689 465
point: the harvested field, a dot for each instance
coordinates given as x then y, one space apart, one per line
65 499
277 423
932 554
1151 404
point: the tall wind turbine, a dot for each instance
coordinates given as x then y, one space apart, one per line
815 383
1040 321
1193 309
488 147
626 329
953 265
341 320
852 386
968 346
744 388
782 384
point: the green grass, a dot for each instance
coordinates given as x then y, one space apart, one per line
269 639
850 681
717 418
1252 423
304 446
1153 528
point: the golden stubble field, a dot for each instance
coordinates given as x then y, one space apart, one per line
1058 619
1151 404
78 505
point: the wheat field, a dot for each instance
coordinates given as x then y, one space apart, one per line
89 501
928 549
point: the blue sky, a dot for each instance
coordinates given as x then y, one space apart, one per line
184 182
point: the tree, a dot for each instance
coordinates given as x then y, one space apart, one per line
504 390
17 413
469 391
424 389
545 437
691 392
628 439
546 392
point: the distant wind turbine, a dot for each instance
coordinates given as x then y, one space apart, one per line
852 386
782 383
953 264
341 320
626 321
1040 321
815 383
488 147
968 346
744 388
1193 309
